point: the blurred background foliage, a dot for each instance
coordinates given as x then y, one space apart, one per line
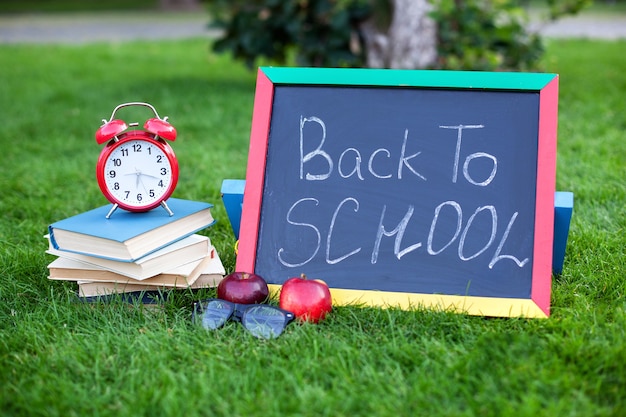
471 34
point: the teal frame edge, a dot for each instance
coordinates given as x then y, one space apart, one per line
409 78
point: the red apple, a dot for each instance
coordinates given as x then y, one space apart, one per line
243 288
308 299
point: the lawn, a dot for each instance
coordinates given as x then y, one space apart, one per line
59 357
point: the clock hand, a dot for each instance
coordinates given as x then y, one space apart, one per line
139 181
142 184
138 173
151 176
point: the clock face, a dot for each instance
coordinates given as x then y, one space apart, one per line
137 174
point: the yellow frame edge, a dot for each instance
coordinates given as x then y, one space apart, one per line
475 306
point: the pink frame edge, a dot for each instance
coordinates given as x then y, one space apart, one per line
255 173
541 286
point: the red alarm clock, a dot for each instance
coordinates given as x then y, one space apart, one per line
137 170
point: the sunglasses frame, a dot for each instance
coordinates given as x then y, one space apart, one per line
238 312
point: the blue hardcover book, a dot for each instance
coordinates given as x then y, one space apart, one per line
127 236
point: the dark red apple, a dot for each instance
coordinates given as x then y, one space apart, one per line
243 288
308 299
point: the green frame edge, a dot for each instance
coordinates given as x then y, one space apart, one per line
445 79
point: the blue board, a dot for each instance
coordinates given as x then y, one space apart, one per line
232 195
563 208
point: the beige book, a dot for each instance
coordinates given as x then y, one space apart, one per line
190 249
94 289
181 276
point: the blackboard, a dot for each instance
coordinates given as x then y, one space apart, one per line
409 188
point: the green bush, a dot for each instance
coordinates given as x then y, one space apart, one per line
485 35
316 32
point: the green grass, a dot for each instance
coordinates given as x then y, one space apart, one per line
59 357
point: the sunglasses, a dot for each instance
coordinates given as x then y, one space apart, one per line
262 320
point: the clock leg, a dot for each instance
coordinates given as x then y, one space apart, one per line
164 205
115 206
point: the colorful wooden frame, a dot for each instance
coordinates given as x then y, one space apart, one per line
546 85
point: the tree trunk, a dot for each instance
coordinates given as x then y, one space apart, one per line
410 41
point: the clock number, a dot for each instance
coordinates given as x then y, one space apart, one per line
127 194
137 147
139 197
124 151
112 173
151 193
116 186
163 171
159 159
160 184
117 162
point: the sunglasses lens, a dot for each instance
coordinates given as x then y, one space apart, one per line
264 322
215 313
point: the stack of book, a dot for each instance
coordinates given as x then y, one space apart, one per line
135 252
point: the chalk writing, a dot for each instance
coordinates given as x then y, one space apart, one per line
305 215
404 160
